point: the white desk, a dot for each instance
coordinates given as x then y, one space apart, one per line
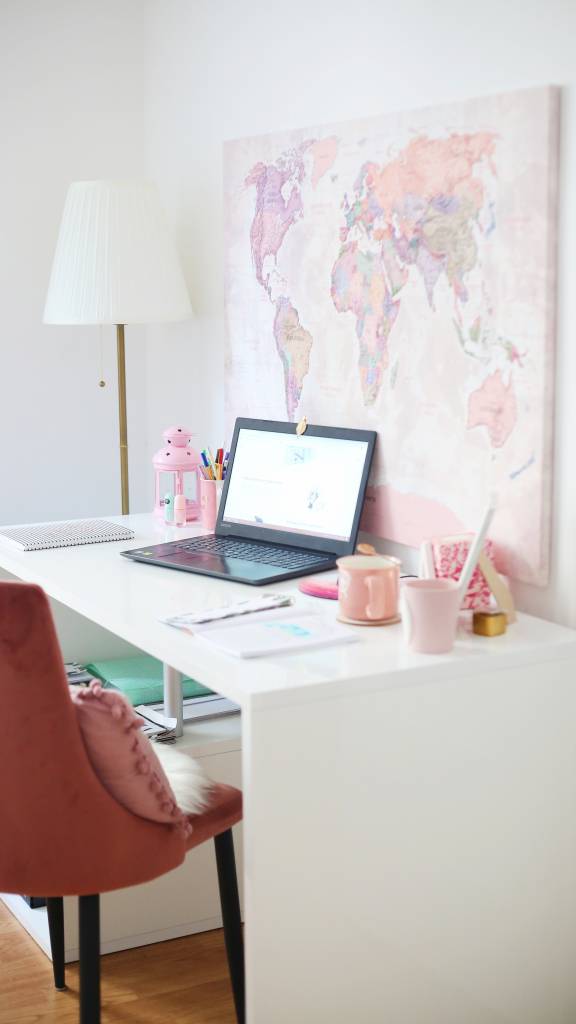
410 821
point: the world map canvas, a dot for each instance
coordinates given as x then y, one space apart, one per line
398 274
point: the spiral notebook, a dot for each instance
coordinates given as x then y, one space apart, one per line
64 534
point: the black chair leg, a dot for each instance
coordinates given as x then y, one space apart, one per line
89 913
55 907
230 903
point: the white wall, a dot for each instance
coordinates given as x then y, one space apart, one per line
71 107
228 69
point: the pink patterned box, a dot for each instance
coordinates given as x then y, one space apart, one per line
449 555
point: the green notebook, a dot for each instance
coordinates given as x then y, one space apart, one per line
140 679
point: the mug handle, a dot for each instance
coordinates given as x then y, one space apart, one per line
370 611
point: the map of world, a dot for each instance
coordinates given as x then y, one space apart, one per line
398 274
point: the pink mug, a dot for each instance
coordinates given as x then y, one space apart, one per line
210 494
368 588
430 614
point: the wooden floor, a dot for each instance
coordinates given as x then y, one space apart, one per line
184 981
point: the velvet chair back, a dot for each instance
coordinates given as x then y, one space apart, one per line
61 832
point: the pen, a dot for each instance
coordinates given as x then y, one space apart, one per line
211 460
214 468
208 462
207 469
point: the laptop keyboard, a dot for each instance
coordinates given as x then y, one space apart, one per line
251 551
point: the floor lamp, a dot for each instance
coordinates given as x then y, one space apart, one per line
116 263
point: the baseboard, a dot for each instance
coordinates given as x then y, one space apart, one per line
148 938
36 924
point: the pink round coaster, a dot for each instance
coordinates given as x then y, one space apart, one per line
315 587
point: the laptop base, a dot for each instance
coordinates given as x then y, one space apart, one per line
255 574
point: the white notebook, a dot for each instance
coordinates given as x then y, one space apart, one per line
64 534
276 634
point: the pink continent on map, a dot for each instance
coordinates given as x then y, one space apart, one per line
359 286
429 168
324 153
273 214
422 208
389 512
494 407
294 345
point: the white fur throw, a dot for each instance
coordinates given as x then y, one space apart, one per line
190 785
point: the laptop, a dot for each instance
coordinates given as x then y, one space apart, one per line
290 506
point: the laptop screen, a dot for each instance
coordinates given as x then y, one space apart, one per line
303 485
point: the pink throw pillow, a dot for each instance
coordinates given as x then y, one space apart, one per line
123 757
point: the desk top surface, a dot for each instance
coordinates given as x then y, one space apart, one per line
129 599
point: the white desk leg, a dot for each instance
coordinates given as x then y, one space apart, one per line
173 697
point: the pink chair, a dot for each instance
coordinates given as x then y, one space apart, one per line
63 834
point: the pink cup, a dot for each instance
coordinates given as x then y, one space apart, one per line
430 614
210 494
368 588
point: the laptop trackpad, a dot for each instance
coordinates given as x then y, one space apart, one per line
208 562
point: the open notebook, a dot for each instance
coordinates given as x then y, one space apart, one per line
276 632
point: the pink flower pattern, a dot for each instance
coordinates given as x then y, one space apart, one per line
449 555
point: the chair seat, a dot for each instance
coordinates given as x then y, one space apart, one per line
223 811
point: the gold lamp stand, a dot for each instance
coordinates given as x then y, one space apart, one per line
123 425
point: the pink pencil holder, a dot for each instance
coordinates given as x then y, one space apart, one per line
210 494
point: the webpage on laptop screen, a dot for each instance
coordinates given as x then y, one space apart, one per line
298 484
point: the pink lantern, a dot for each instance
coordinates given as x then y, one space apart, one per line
176 472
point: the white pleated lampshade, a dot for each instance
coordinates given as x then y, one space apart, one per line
115 260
